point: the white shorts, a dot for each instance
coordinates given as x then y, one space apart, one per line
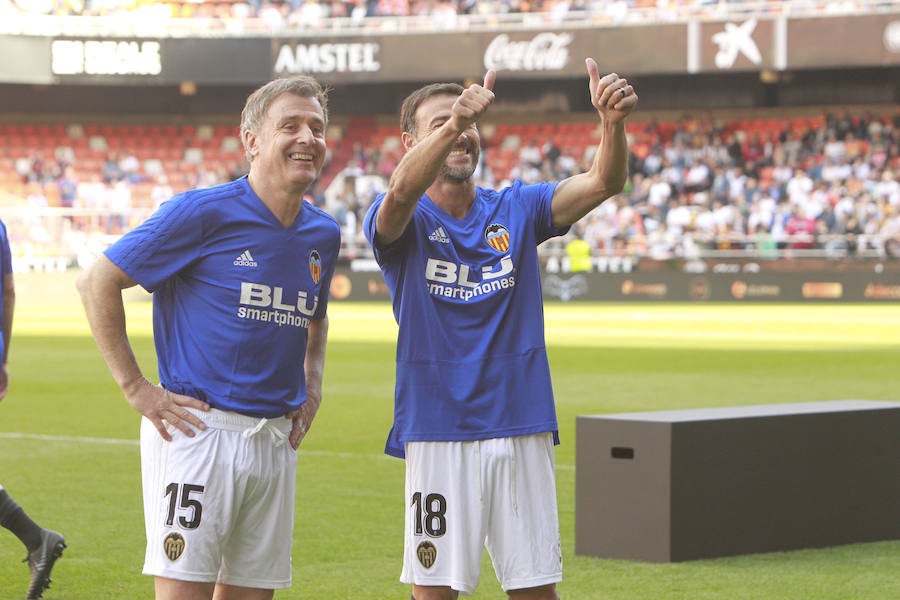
498 494
219 507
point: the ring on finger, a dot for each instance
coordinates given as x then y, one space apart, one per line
622 92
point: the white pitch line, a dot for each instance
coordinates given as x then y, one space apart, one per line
68 438
136 443
10 435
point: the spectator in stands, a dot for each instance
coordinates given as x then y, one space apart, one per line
161 191
549 152
275 15
130 167
801 229
530 154
765 244
443 15
36 199
734 148
672 174
112 168
310 14
792 147
890 232
236 362
597 232
578 250
887 188
473 386
799 187
37 169
528 172
661 243
67 185
118 198
92 199
44 546
698 178
838 126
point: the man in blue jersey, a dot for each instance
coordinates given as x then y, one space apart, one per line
240 274
44 546
474 413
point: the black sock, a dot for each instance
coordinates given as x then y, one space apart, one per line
14 518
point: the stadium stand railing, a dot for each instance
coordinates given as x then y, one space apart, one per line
230 18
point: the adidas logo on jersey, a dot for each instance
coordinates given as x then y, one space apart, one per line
439 235
245 260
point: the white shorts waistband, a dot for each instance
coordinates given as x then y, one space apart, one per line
232 421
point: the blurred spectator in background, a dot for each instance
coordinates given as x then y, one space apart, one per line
578 251
161 191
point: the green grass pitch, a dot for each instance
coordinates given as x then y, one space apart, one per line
69 454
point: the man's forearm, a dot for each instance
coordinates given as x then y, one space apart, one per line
101 296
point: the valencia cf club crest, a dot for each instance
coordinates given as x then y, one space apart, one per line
173 546
315 265
497 236
427 554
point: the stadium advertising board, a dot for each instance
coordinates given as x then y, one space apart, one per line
113 58
706 46
693 47
804 286
155 61
542 53
217 61
875 41
773 286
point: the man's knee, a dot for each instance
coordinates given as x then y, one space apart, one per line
544 592
433 593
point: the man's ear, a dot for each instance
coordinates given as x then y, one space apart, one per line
250 143
408 140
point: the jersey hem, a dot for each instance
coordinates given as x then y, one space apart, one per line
455 437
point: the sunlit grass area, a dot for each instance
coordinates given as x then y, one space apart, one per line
69 454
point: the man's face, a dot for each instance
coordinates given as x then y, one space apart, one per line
463 158
290 145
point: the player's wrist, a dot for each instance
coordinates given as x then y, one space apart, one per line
131 385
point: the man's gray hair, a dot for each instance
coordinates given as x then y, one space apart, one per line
258 102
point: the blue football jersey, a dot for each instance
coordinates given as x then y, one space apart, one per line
471 358
233 294
5 269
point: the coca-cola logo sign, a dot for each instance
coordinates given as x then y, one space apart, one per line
544 52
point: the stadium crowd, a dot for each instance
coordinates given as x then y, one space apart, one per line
828 186
824 186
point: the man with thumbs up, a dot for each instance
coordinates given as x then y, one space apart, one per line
474 415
